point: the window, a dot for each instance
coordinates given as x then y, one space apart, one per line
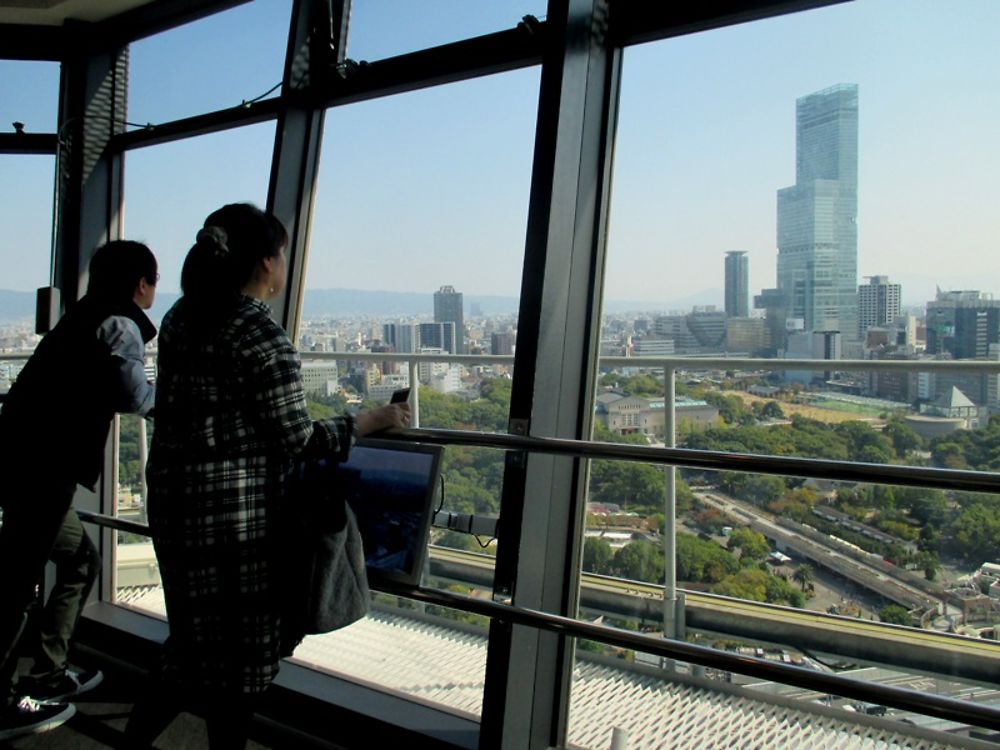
29 94
751 197
393 27
416 247
169 190
215 63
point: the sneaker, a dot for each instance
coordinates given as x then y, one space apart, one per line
68 685
30 716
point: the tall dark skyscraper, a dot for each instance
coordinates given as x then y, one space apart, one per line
817 216
737 284
448 309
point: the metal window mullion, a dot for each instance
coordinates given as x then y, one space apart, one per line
295 165
87 202
528 672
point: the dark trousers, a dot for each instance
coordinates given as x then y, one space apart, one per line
49 629
38 525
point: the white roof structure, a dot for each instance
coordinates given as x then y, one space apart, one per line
431 662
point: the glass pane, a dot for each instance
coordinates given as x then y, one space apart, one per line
26 185
171 188
29 94
408 190
210 64
385 28
807 206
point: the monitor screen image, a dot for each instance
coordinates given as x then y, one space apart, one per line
391 487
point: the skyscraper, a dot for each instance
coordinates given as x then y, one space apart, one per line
737 284
817 216
878 303
448 309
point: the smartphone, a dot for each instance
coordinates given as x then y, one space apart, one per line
400 396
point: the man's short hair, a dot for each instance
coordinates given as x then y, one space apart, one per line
117 267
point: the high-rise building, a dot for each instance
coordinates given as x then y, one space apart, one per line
963 324
437 336
502 343
403 337
817 216
878 303
737 284
448 309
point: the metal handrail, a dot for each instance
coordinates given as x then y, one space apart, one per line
846 471
951 709
681 363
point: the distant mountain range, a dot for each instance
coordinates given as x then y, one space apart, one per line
345 302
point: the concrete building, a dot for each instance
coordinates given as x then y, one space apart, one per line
320 377
626 415
502 343
653 346
963 324
403 337
878 303
751 335
383 390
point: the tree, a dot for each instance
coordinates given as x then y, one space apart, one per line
639 561
702 561
752 545
597 555
975 533
749 583
627 483
894 614
772 410
803 576
904 438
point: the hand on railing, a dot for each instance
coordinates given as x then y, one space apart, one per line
384 418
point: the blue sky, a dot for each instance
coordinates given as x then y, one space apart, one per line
431 187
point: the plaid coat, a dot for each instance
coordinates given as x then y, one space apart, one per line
230 424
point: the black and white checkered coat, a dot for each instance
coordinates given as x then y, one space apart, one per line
230 424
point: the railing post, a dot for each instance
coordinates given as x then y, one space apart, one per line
142 468
673 606
414 393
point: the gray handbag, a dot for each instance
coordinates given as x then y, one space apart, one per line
338 591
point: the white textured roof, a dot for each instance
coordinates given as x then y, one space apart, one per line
446 666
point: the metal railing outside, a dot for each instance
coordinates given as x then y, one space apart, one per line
950 709
671 456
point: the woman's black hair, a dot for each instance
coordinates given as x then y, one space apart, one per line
116 269
227 252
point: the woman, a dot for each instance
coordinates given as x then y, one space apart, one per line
231 424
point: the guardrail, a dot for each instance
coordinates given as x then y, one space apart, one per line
670 457
950 709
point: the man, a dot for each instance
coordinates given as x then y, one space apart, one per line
53 428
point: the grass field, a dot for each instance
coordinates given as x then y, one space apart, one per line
846 406
812 411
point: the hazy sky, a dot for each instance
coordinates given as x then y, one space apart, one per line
431 188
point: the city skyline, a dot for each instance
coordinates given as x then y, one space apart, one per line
690 182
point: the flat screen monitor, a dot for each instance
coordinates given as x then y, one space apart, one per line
391 487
